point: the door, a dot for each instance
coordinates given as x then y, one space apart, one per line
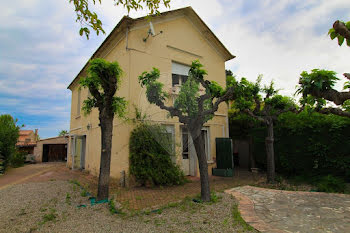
185 152
79 152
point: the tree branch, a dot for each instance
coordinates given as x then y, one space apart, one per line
341 29
335 111
332 95
173 111
227 96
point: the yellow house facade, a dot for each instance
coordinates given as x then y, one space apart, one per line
179 37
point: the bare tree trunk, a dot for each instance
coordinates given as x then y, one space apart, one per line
270 153
203 165
251 154
106 123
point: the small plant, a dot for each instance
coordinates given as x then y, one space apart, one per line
68 201
49 217
83 193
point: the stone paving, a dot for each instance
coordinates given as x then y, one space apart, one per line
270 210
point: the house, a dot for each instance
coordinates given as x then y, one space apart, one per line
51 149
180 37
27 141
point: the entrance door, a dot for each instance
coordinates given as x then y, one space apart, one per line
79 152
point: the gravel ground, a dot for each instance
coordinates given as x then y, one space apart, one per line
52 207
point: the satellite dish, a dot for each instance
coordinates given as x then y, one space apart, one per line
151 32
151 29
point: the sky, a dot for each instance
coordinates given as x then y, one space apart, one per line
41 51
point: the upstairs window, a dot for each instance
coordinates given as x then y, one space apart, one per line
179 73
78 102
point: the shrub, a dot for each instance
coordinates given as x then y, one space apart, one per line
9 133
17 159
331 184
151 153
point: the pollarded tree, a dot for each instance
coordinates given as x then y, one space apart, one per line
103 80
248 99
191 107
318 86
89 19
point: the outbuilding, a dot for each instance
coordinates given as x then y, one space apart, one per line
51 149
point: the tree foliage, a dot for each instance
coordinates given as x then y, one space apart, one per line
192 107
317 87
63 133
9 132
89 19
341 31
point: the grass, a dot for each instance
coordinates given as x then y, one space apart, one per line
49 217
238 220
68 199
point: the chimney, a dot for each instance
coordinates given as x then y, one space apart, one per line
36 134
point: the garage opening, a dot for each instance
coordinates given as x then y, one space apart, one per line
54 152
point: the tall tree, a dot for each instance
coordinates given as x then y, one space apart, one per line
248 100
89 19
192 108
9 132
103 80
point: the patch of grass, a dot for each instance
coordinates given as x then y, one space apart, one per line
22 212
83 193
138 198
49 217
238 220
68 199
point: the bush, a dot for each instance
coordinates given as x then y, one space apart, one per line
17 159
331 184
151 153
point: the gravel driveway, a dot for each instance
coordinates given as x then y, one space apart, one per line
52 207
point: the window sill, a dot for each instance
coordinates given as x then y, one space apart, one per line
210 162
77 117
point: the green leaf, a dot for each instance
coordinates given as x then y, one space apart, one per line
333 35
340 40
348 42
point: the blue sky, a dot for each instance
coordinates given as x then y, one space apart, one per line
41 51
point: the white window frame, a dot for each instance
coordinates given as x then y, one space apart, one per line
179 69
171 130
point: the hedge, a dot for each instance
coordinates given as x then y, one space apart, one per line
307 144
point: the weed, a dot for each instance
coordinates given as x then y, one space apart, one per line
138 198
49 217
22 212
68 199
83 193
238 220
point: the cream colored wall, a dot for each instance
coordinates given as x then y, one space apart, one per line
158 52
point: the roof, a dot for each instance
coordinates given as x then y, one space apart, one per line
127 21
25 132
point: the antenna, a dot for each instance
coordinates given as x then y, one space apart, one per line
151 29
151 32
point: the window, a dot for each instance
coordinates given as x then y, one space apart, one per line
170 136
185 138
78 104
206 140
179 73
